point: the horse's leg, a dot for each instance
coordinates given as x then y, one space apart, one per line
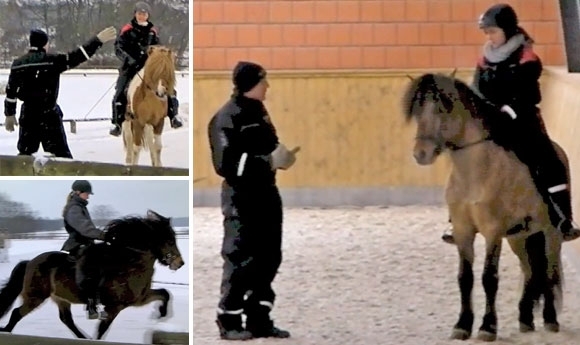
149 142
66 317
138 130
554 278
157 145
159 295
112 312
531 291
128 142
464 240
28 305
490 280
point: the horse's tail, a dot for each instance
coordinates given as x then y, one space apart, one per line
13 287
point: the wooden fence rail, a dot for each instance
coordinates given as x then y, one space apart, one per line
156 338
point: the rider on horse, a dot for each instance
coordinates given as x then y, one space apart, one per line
507 75
82 233
131 48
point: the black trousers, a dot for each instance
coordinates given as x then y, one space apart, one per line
42 126
88 273
251 249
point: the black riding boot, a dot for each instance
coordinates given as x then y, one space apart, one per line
258 323
230 327
560 206
119 109
172 111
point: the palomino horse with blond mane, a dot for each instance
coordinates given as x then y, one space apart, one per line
147 97
490 192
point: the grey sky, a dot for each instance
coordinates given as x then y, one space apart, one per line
47 197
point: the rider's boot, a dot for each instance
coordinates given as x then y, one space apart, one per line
561 212
118 115
172 111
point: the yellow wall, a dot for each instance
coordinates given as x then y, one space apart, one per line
349 125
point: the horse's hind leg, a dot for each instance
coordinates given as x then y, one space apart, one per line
28 305
156 146
531 255
553 275
66 317
490 280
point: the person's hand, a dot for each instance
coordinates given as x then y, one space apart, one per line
282 158
10 122
107 34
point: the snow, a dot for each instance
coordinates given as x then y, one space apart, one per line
87 94
133 325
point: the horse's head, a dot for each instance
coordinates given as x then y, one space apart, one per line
159 74
165 249
442 109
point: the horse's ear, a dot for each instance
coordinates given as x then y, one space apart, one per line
452 75
153 215
408 76
150 49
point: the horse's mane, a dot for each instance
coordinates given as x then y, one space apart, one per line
160 64
447 92
134 230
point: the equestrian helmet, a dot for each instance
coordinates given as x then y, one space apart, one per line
142 7
82 186
502 16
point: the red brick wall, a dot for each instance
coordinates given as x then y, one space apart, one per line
363 34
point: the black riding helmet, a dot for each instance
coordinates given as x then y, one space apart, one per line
82 186
502 16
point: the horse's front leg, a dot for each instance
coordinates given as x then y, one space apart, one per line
164 310
490 280
112 312
464 239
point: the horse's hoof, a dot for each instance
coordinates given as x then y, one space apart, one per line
460 334
486 336
552 327
527 328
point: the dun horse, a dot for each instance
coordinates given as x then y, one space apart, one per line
127 270
489 192
147 105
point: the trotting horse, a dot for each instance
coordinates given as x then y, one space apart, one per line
127 270
489 192
147 105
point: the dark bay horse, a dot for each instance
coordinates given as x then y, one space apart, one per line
127 270
489 192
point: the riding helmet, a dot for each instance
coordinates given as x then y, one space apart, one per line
82 186
502 16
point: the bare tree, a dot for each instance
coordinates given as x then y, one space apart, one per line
102 214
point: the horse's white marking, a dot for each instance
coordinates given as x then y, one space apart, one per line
133 85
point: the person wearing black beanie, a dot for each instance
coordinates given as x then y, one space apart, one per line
246 153
35 79
507 74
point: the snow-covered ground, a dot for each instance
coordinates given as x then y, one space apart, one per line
133 325
86 94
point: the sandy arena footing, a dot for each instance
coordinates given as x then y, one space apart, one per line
372 276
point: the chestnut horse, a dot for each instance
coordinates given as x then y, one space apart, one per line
147 97
127 272
490 192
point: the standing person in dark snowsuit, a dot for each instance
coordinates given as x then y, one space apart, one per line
82 233
35 79
246 153
131 48
508 76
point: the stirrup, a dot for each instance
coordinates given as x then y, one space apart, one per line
571 233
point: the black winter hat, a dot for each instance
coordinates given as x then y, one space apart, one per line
142 7
247 75
502 16
38 38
